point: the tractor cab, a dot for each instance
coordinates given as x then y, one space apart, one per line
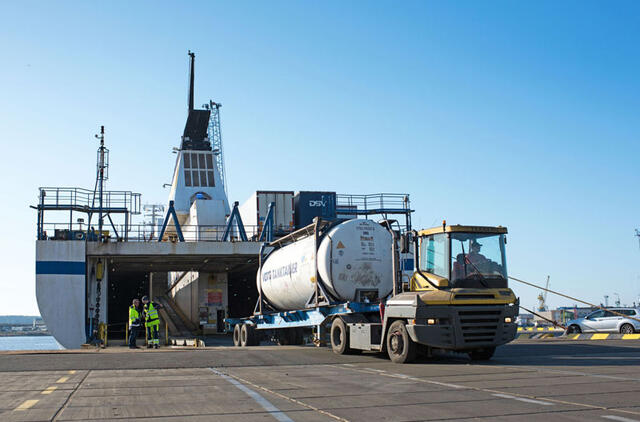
459 257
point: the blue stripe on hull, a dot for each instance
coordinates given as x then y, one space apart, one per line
60 267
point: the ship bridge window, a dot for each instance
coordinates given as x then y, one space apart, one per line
201 173
194 161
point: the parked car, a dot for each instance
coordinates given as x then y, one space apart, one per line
605 321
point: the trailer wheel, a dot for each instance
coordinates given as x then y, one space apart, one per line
236 335
340 337
246 335
482 354
400 347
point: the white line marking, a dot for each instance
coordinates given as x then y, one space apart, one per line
507 396
410 378
584 374
619 418
266 404
444 384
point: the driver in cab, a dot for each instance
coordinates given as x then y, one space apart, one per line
472 262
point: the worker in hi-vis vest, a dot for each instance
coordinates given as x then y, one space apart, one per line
135 319
152 322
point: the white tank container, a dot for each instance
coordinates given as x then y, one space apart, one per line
353 255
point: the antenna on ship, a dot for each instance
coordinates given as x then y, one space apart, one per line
192 55
102 175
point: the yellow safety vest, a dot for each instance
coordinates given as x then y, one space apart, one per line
151 312
134 316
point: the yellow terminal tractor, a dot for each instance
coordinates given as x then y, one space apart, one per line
458 296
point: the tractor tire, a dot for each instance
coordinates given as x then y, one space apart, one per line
400 347
339 337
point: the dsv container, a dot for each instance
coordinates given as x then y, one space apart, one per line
308 205
353 261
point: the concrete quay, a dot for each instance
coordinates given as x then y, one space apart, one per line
526 380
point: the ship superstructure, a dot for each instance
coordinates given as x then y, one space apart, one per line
198 189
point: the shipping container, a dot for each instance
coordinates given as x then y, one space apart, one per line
308 205
254 212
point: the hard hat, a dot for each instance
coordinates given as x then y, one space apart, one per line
474 242
145 298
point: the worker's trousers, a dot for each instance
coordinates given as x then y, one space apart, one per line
133 333
152 333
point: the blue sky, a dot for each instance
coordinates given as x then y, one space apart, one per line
512 113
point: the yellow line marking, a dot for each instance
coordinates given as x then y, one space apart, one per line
599 336
540 328
631 336
27 404
62 379
49 390
73 371
574 336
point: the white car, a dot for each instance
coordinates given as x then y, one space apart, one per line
605 321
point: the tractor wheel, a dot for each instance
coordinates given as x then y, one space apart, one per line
400 347
339 337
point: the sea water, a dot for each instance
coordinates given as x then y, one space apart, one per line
29 343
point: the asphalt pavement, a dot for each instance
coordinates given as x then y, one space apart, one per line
526 380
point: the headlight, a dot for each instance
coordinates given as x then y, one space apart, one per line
508 320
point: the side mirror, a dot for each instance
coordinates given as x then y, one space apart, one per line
405 243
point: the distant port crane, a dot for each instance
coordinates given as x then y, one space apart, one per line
542 298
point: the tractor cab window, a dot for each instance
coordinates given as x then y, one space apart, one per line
433 255
478 260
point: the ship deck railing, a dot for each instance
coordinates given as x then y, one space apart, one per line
148 233
86 200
